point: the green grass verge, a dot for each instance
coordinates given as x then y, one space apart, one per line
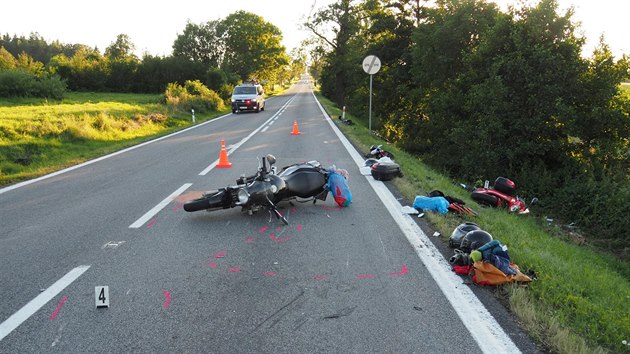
39 136
580 301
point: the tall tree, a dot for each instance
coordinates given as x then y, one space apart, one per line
7 60
122 48
253 47
343 17
200 43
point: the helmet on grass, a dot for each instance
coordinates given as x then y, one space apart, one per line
460 231
475 239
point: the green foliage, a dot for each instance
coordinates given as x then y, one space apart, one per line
85 71
200 43
36 47
19 83
121 49
7 60
345 18
193 95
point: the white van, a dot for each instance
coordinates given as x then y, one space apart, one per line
248 97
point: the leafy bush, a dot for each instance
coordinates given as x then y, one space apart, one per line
19 83
193 95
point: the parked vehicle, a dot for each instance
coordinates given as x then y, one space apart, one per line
248 96
265 189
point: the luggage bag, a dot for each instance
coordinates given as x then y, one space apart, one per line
385 171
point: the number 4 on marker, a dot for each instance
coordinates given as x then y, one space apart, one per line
101 296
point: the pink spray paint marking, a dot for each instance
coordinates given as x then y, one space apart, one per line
263 229
366 276
278 229
61 302
220 254
277 239
403 271
320 277
269 274
293 211
151 223
298 227
177 207
249 240
212 265
167 299
234 270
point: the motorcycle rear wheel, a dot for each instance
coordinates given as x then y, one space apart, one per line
212 200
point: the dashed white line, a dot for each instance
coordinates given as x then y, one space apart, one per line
156 209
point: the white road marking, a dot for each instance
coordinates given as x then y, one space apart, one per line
156 209
485 330
38 302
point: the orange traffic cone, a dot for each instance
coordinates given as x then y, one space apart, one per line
223 157
296 130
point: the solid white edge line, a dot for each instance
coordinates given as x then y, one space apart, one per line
38 302
156 209
482 326
245 139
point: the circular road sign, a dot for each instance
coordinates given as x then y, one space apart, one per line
371 64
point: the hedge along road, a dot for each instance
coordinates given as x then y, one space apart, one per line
360 279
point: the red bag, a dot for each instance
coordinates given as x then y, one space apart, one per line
462 269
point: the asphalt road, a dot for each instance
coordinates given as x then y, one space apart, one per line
360 279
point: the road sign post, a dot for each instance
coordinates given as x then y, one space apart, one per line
371 65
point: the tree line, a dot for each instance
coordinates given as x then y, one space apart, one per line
479 93
220 53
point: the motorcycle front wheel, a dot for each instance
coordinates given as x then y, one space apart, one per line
212 200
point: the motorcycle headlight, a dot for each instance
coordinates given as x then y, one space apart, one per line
243 196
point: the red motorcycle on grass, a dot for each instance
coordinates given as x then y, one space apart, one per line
501 195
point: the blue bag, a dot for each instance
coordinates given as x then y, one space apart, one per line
437 204
338 186
501 263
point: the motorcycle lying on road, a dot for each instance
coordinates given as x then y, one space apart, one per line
265 189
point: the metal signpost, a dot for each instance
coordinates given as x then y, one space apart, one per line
371 65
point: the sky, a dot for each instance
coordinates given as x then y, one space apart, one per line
154 25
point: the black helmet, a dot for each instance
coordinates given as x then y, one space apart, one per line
456 238
475 239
